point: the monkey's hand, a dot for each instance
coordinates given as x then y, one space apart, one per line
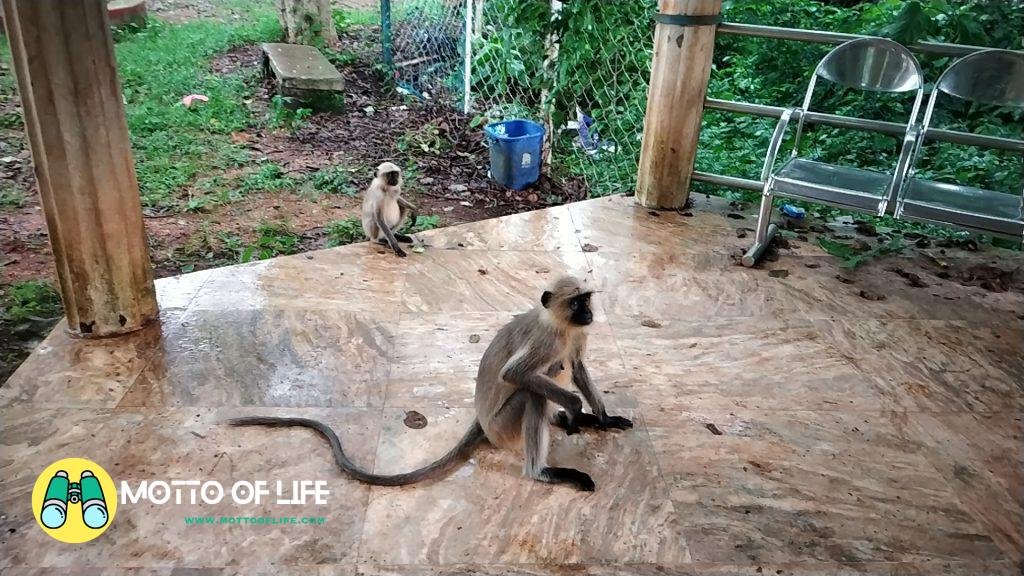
606 422
573 425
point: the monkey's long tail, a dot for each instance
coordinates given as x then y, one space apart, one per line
458 454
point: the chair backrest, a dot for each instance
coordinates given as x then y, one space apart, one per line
870 64
993 77
874 64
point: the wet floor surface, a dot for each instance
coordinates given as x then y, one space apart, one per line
784 425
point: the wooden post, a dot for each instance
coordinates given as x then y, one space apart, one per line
675 101
64 61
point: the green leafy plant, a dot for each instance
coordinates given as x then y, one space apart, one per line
335 180
340 59
347 231
28 301
851 256
273 239
286 112
426 138
424 223
270 177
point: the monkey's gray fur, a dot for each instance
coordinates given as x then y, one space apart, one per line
515 388
384 209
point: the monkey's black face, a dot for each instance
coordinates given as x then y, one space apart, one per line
392 178
579 310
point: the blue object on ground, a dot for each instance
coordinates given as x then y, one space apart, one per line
793 211
587 140
515 152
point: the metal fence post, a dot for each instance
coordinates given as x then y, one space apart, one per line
385 34
467 64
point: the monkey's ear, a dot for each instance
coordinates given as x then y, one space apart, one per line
545 298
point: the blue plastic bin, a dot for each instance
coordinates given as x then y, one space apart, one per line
515 152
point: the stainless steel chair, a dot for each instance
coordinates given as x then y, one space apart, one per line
870 64
993 77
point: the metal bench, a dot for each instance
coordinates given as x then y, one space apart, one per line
869 64
994 77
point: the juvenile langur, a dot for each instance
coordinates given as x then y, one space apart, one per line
515 391
384 209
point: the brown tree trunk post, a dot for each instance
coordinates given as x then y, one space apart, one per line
675 101
305 20
74 116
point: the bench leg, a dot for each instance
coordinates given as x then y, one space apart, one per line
765 232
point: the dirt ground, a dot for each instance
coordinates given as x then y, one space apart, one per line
449 181
453 185
448 178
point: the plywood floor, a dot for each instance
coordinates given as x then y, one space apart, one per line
784 425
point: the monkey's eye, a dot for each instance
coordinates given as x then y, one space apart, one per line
573 305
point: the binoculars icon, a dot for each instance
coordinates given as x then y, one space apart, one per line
61 491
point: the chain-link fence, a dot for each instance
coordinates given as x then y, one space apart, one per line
425 44
581 68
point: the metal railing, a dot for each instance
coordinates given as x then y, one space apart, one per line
818 37
879 126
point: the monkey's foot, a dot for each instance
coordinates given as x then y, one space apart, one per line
585 420
580 480
404 238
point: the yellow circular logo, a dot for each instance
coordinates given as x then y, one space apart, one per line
74 500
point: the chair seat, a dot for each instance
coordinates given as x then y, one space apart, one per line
838 185
984 210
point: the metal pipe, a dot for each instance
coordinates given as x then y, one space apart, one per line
467 63
730 181
890 128
385 35
817 36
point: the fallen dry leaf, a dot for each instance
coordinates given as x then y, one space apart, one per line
415 420
193 98
867 295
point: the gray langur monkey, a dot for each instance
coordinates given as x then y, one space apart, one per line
384 209
515 388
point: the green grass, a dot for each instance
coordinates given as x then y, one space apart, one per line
335 180
269 177
346 18
163 63
273 239
347 231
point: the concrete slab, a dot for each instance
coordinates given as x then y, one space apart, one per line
126 11
300 69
